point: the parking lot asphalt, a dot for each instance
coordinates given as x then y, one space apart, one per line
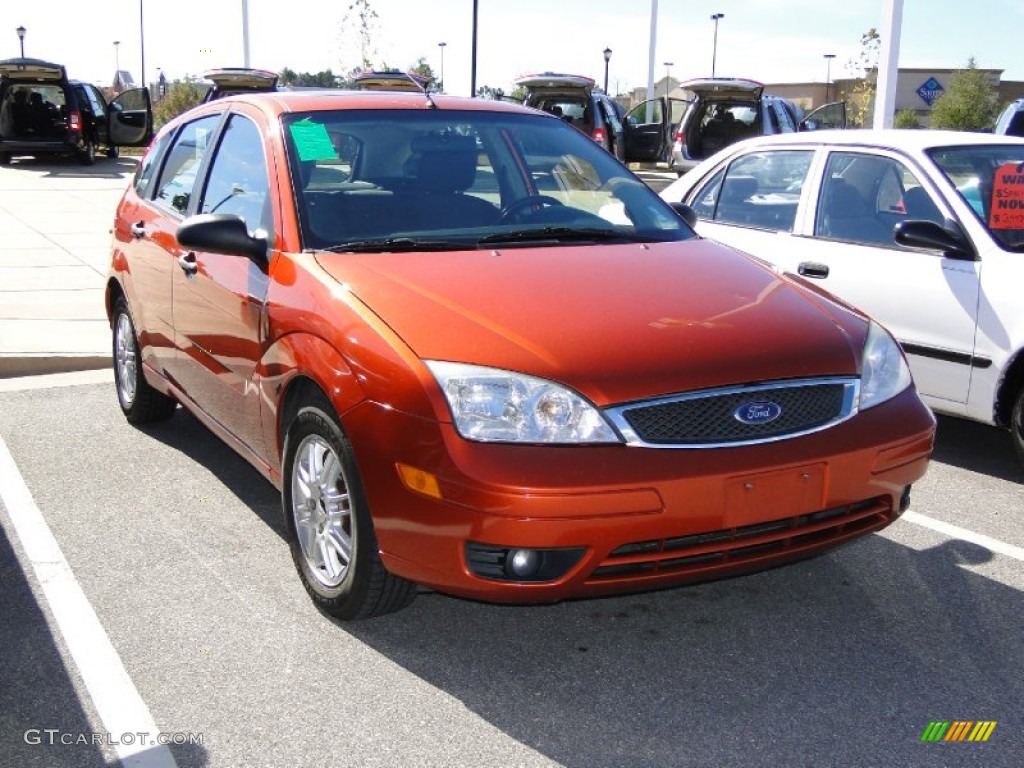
55 220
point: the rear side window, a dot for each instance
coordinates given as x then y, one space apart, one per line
177 181
151 161
759 190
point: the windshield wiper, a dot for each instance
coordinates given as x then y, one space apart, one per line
558 234
395 244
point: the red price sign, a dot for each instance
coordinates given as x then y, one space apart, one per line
1007 211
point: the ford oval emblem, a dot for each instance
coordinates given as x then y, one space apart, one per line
759 412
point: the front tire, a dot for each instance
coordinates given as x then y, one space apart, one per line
140 403
113 152
5 158
1017 425
329 526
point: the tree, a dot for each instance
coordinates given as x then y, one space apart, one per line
359 22
970 103
424 70
864 68
181 96
487 92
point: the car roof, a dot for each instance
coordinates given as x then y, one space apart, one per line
916 140
315 100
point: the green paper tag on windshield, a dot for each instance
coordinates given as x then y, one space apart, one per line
312 141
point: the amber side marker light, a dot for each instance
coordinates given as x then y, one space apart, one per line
419 480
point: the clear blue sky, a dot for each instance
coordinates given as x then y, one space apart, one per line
767 40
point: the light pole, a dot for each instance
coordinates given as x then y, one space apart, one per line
828 76
21 39
607 58
714 46
442 47
117 64
668 67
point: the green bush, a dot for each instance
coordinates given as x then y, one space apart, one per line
906 118
181 96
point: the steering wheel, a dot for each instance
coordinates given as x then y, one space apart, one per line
511 210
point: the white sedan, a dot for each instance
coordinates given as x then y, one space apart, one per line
921 229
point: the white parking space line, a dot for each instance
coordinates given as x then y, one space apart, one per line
113 693
956 532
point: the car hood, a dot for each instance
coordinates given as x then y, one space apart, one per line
615 322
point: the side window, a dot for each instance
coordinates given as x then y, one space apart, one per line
759 190
150 162
646 113
238 182
864 196
97 102
174 191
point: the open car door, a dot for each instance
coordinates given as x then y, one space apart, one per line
648 129
831 115
130 119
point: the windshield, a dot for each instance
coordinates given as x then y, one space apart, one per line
398 179
991 180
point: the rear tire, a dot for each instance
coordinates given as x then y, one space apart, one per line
329 526
1017 425
88 152
113 152
5 158
140 403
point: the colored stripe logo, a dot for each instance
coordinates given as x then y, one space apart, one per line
958 730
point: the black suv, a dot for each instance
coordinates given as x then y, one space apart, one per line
578 101
44 113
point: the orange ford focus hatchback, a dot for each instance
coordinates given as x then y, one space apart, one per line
475 353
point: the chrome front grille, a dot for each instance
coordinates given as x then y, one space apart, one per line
709 418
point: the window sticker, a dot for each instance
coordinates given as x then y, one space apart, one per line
1007 211
312 141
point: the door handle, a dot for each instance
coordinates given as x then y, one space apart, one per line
188 264
813 269
139 229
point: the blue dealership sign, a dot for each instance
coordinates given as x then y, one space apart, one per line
930 90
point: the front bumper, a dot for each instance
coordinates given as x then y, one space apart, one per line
644 518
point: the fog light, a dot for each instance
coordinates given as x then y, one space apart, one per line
522 563
519 564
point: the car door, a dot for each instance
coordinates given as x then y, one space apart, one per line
130 119
831 115
164 185
219 300
928 300
649 127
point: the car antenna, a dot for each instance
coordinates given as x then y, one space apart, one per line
423 90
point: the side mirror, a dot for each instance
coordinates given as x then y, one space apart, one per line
686 213
223 233
950 239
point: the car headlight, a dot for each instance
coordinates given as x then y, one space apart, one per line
884 371
492 405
